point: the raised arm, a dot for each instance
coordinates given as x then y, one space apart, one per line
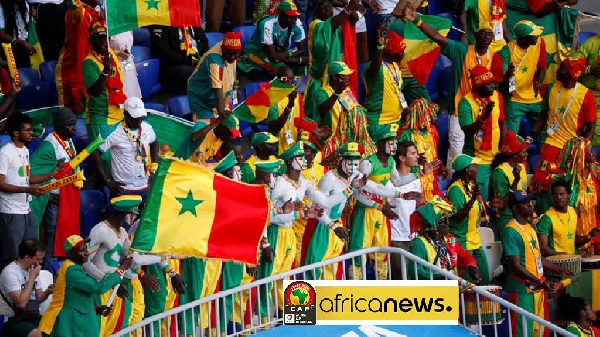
411 15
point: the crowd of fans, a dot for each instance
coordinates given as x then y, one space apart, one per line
345 172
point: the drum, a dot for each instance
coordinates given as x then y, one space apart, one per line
488 308
592 262
570 262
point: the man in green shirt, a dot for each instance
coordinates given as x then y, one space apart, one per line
590 51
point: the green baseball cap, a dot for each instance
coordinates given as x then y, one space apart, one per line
434 210
462 161
288 8
262 137
351 150
525 27
339 68
233 123
385 132
295 151
226 163
269 166
126 203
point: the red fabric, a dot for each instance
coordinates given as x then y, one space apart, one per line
251 205
349 53
510 144
481 75
536 5
542 62
75 49
588 111
496 68
548 154
5 82
576 67
232 40
394 44
67 223
309 230
184 13
501 107
421 66
459 256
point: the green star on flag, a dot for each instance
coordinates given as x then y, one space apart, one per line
570 236
152 4
524 69
189 204
534 242
562 110
551 58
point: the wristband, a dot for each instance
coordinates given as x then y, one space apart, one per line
154 166
120 272
419 22
300 59
379 207
399 195
347 191
171 272
334 226
140 273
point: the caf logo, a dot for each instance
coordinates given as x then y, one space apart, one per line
299 304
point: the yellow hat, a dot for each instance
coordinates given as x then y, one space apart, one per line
484 25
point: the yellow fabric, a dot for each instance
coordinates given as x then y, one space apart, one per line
587 203
334 249
313 175
595 289
115 112
426 146
208 148
538 310
508 172
108 324
391 107
487 156
237 310
473 238
170 300
137 307
289 123
528 61
376 233
485 15
285 252
58 299
567 128
530 256
337 111
470 63
563 227
212 273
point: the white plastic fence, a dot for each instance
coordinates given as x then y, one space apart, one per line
193 311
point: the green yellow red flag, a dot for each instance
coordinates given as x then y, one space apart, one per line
256 106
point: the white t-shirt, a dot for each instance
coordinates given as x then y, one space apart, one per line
387 6
404 208
14 165
22 27
125 168
13 278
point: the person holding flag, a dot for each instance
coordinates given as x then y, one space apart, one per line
69 74
280 121
103 78
436 245
482 119
528 56
264 145
75 311
385 101
464 58
212 88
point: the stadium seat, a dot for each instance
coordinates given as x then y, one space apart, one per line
106 193
251 88
246 31
532 162
245 128
155 106
444 76
436 7
91 217
432 82
148 77
141 37
140 53
29 76
583 36
47 70
214 38
89 199
454 34
33 95
525 127
179 106
443 126
4 139
81 139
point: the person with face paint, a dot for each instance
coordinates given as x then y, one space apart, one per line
528 56
269 47
207 137
557 229
509 173
103 79
464 58
385 101
265 147
481 117
579 315
464 194
74 312
69 75
568 111
370 226
133 152
526 284
436 245
212 87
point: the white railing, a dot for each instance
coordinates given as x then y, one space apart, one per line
197 311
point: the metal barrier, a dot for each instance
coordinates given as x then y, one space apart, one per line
194 319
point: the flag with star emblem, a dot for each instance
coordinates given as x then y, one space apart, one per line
125 15
194 212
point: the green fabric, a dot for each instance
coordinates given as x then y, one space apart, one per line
374 100
13 327
187 147
589 51
501 187
192 272
226 163
462 161
544 227
483 180
419 249
168 129
264 270
377 168
231 277
596 137
155 301
326 47
524 301
199 91
42 161
296 150
465 117
412 90
515 112
319 243
321 95
357 231
248 175
513 245
482 265
97 107
77 313
459 229
582 286
456 51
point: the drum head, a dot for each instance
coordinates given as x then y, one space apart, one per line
563 257
593 258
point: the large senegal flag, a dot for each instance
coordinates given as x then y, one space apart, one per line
256 106
421 51
559 29
125 15
37 58
194 212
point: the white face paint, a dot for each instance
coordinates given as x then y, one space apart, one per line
236 173
272 181
299 163
350 165
391 145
